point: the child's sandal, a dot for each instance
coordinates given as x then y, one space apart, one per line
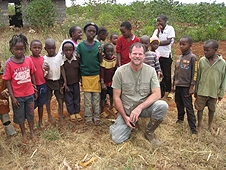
104 114
79 118
73 118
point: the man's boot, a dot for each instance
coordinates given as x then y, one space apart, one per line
149 132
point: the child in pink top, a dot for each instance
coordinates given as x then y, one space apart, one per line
36 48
19 76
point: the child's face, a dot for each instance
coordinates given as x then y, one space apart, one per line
90 32
77 35
50 49
154 45
184 45
104 36
68 50
209 50
18 50
36 48
108 51
114 39
145 42
125 32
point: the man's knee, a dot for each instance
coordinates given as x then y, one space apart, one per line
161 110
118 134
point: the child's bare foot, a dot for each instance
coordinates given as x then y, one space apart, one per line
62 122
198 128
34 139
51 120
24 140
212 131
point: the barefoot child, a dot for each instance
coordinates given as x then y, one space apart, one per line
55 63
72 88
211 82
36 48
107 70
184 80
4 108
90 59
19 76
124 42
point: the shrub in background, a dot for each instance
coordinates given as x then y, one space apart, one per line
40 13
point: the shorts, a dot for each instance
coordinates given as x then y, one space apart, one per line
202 101
25 110
105 92
42 95
53 86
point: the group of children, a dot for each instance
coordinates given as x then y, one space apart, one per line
89 64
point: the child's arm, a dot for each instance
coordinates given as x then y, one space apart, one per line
119 59
14 100
64 78
194 71
34 85
100 49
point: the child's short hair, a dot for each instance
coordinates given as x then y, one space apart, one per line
164 17
72 29
35 40
126 24
189 39
102 30
18 38
69 43
106 45
111 36
214 43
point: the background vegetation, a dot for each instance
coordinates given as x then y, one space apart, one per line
202 20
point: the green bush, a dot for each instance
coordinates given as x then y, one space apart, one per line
40 13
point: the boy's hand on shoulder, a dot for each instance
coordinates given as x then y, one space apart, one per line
100 48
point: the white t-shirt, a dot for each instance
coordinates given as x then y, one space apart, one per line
168 32
54 66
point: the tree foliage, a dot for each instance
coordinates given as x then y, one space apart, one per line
40 13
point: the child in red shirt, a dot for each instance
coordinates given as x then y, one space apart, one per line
36 48
20 81
124 42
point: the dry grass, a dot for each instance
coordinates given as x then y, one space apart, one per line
65 147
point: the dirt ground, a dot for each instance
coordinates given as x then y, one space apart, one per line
65 147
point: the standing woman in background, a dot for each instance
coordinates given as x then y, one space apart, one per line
166 35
